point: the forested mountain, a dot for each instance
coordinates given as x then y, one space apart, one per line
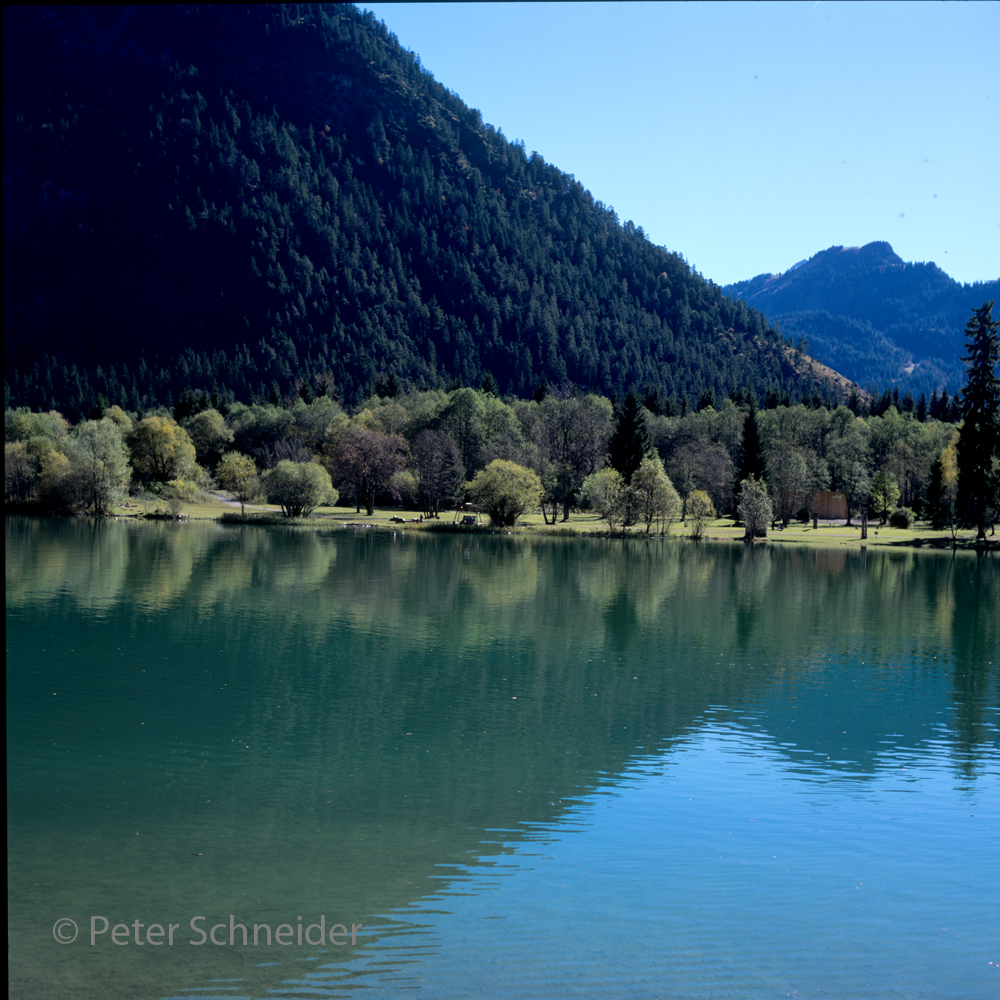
254 201
871 316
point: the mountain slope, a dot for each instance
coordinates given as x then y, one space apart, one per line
872 316
261 199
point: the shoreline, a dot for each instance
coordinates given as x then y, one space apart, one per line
829 535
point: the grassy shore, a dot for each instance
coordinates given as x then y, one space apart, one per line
829 534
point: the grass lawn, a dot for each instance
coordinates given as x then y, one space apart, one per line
838 534
584 523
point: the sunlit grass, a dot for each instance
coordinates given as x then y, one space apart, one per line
579 523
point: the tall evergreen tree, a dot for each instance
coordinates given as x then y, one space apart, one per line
979 441
934 509
752 463
631 441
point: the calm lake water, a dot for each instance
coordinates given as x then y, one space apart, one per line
528 768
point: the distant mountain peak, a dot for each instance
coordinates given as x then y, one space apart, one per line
838 259
873 316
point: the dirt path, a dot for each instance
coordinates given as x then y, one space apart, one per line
235 503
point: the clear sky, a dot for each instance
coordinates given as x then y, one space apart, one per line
747 136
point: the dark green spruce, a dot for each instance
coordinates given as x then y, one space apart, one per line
753 465
631 441
979 440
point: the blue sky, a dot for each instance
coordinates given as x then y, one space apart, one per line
747 136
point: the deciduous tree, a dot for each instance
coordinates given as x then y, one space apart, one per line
99 461
20 472
607 493
693 459
949 483
365 461
571 436
299 487
754 506
653 495
56 488
788 479
700 512
162 450
22 425
464 418
439 469
848 457
506 491
884 494
238 474
209 435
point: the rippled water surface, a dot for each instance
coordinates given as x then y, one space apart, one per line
525 767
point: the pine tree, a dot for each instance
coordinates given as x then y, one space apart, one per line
631 442
979 441
752 464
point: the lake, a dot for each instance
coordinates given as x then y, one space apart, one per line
474 765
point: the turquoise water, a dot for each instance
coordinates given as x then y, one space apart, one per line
525 767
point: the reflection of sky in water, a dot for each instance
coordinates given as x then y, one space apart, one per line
728 866
609 770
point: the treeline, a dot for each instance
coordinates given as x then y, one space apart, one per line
242 200
422 449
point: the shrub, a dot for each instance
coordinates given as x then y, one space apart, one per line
179 489
299 487
901 517
506 491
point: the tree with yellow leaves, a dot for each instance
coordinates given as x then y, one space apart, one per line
700 512
949 484
162 450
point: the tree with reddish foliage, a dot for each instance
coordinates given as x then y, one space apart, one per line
365 461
